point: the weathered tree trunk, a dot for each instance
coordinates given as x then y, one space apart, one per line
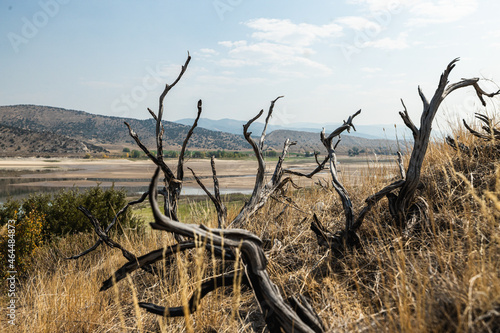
421 136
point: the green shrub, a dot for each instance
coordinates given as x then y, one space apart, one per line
41 217
60 212
18 242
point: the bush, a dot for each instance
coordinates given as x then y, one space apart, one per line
135 154
18 244
60 213
126 150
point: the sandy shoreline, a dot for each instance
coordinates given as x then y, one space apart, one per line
233 174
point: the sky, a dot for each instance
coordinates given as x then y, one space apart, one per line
328 58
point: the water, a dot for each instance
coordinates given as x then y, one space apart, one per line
19 188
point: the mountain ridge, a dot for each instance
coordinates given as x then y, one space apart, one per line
99 133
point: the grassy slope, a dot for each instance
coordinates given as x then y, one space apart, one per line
443 278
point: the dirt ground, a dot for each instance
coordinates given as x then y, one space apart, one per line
233 174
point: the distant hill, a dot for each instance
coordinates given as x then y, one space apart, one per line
382 132
44 130
16 142
307 141
102 130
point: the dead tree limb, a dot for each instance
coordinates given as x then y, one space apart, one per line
321 166
262 190
491 133
108 228
216 199
339 188
278 314
225 280
103 236
173 183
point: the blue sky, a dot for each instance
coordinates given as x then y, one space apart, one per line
329 58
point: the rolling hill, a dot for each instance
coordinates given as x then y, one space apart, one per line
30 130
105 130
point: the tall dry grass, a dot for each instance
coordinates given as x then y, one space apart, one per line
442 276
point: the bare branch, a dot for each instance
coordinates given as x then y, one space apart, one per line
407 192
269 114
160 107
373 199
111 243
407 120
159 162
422 97
401 166
108 228
320 167
345 127
225 280
219 205
152 114
180 164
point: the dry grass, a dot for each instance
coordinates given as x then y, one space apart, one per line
443 276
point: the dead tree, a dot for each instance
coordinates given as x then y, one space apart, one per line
421 136
402 205
293 315
262 190
173 182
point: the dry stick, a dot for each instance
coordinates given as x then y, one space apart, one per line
278 315
262 190
108 228
339 188
159 142
111 243
219 205
320 167
157 255
492 133
180 164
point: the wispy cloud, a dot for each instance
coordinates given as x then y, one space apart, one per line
281 46
441 11
359 23
388 43
289 33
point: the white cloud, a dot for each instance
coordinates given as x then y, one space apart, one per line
209 51
280 46
286 32
389 43
441 11
359 23
275 58
376 6
233 44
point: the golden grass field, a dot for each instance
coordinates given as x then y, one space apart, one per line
442 277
